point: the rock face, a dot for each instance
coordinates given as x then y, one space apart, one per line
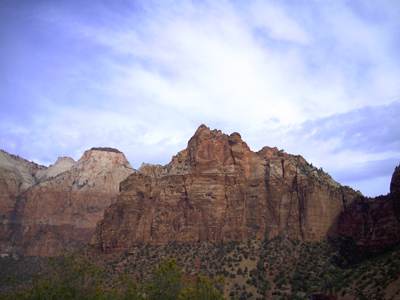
9 187
16 175
61 210
25 173
373 222
395 183
62 164
217 189
395 192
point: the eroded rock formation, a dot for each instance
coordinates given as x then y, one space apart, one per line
16 175
24 172
61 210
373 222
217 189
62 164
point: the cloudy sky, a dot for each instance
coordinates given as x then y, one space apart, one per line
315 78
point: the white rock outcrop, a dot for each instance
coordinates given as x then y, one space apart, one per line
62 165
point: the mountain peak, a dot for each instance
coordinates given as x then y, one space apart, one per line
204 132
395 183
61 165
107 149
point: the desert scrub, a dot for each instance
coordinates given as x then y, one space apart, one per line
73 279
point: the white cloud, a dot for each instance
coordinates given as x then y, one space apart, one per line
143 78
277 23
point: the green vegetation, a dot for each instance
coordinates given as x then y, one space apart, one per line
280 268
74 279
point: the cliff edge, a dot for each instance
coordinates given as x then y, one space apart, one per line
217 189
61 210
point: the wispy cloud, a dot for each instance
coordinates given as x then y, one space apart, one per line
317 79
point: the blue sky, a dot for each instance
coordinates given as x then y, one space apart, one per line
315 78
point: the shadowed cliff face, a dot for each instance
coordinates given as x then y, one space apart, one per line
373 222
62 211
395 192
217 189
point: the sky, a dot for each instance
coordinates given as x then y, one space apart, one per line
319 79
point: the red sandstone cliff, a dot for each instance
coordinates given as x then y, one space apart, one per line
217 189
16 175
61 210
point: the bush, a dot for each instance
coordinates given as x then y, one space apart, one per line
73 279
166 282
260 266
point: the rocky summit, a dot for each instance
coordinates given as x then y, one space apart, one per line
217 189
57 207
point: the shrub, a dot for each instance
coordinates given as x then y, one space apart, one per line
73 279
260 266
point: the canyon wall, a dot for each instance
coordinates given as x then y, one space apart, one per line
16 175
373 222
61 209
217 189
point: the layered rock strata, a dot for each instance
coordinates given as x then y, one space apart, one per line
16 175
217 189
62 210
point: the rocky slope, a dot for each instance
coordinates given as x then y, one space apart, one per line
61 210
217 189
17 175
25 173
62 164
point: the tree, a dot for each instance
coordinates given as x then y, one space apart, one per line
166 282
260 266
204 289
73 279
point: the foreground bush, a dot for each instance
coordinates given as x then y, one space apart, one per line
73 279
